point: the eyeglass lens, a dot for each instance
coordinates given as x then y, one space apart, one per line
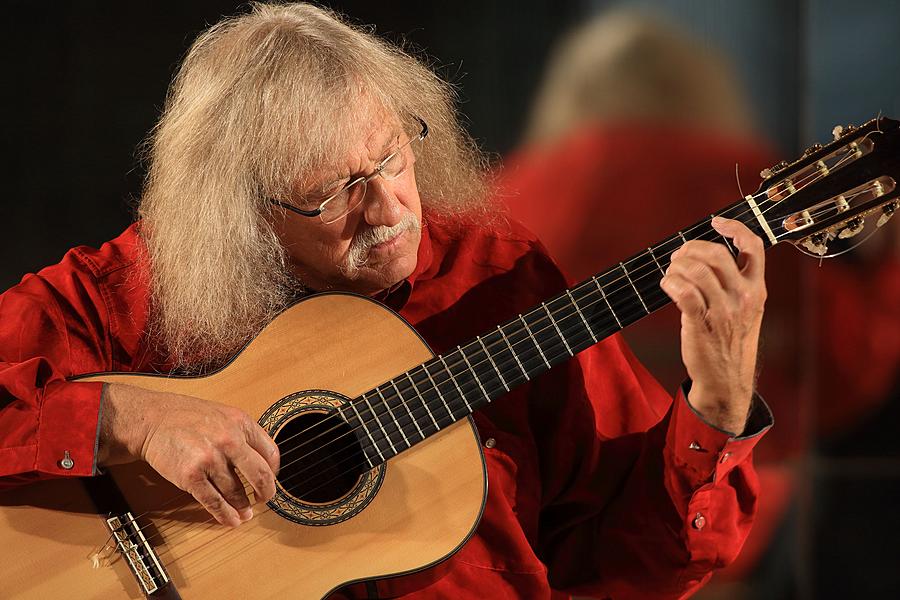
394 165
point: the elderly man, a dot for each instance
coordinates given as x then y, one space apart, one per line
298 154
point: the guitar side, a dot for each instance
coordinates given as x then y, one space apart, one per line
428 505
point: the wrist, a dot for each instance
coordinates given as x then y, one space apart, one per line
726 409
121 425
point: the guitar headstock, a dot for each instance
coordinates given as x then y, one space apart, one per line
832 190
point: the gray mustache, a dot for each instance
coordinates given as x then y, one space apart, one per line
362 243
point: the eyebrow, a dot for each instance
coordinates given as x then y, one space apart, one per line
382 153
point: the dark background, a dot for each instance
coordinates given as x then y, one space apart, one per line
84 82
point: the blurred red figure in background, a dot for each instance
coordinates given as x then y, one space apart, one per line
635 134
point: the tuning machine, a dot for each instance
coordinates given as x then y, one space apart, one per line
853 227
774 170
840 131
812 150
887 211
817 243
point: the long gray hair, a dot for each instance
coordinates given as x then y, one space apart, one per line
260 100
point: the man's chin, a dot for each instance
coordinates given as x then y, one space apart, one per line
373 278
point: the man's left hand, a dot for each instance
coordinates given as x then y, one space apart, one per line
721 302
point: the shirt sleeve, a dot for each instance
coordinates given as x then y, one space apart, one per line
655 499
52 325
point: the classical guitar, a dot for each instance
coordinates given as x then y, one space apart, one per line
373 450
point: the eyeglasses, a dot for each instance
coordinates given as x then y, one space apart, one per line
337 205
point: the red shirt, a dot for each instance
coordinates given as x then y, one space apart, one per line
599 483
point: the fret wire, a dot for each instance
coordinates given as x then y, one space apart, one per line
474 374
406 406
683 239
583 320
493 364
380 425
422 399
514 355
368 433
438 390
394 417
600 287
340 410
628 277
453 379
592 307
555 326
658 266
536 344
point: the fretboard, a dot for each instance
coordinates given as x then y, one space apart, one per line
422 401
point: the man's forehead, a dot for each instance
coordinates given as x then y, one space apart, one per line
369 140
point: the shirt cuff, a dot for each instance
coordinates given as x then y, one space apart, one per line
69 429
705 452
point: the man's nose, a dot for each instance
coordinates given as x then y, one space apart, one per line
381 205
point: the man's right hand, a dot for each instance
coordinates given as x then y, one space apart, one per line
195 444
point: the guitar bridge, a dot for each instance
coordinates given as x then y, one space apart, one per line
142 559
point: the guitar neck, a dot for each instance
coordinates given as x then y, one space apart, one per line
418 403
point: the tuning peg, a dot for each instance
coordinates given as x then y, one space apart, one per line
842 130
813 246
887 211
854 226
766 173
817 243
812 150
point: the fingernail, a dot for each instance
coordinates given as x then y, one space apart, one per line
246 514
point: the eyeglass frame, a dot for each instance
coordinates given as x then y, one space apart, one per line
365 179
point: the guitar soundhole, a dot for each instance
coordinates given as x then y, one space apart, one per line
321 460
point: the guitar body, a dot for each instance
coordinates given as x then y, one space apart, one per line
411 513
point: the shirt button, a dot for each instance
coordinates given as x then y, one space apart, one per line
490 443
699 521
67 463
725 457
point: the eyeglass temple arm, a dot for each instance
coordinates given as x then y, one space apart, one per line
424 133
306 213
